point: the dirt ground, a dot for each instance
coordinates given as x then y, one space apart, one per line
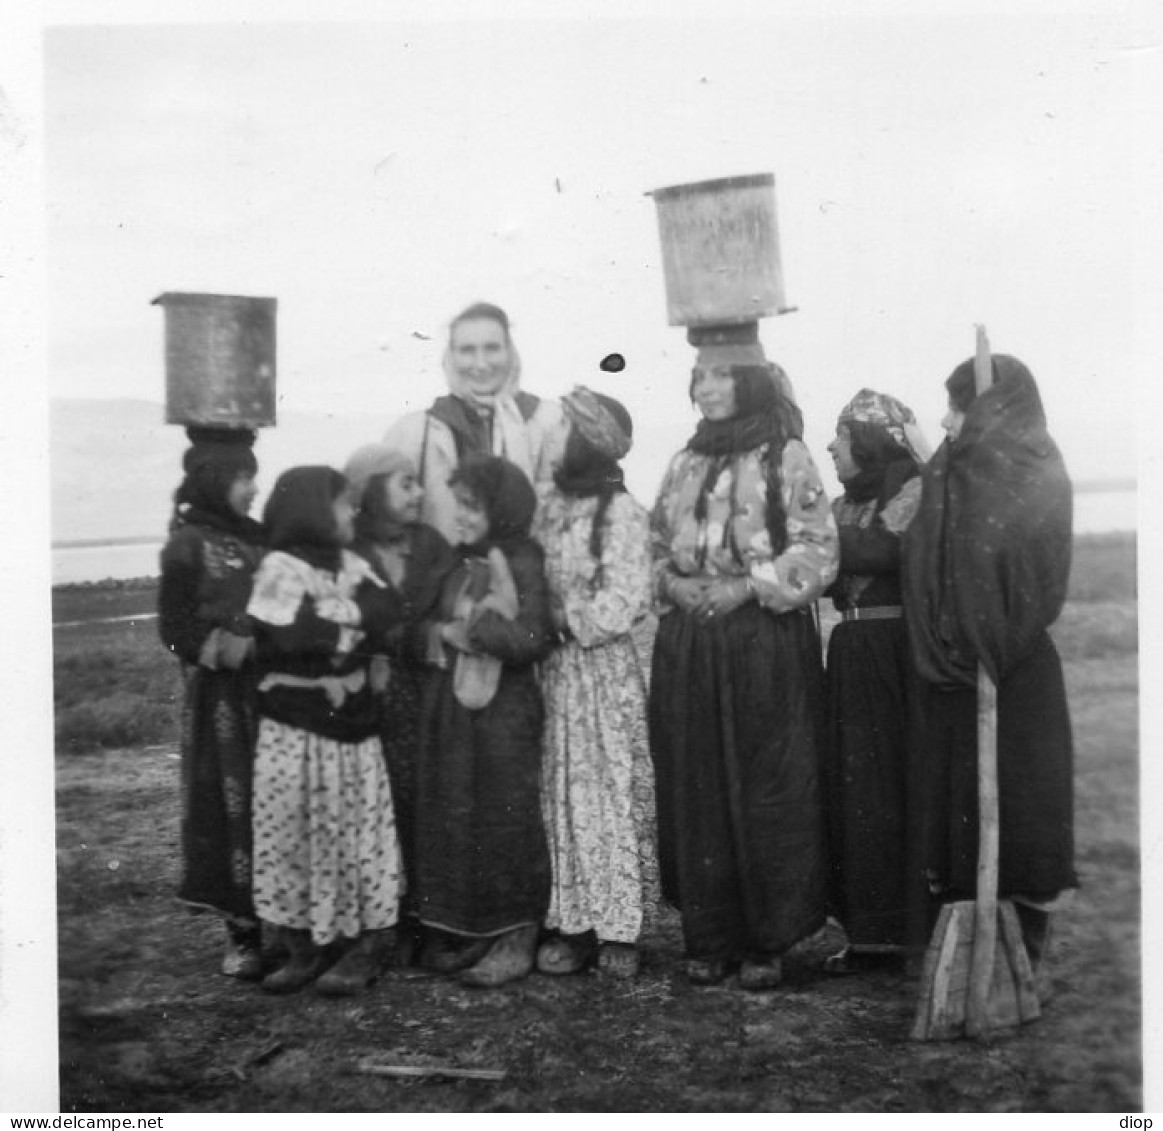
147 1024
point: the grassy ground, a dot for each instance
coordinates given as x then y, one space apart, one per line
147 1025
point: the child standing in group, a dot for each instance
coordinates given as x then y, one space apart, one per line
412 559
326 858
481 860
597 783
206 570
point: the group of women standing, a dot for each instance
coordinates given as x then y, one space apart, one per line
415 699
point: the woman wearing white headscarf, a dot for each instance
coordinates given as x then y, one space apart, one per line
485 412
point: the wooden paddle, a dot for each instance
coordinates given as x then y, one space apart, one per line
971 985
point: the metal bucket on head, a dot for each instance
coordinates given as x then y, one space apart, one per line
220 359
720 251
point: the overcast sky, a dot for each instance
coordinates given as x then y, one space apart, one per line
932 171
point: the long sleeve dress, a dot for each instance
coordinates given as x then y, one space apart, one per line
412 601
597 779
735 706
873 779
206 571
326 856
482 864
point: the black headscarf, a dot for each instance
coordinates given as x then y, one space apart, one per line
215 459
298 515
505 493
762 416
986 561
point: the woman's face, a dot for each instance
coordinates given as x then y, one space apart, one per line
841 450
403 495
480 355
714 392
952 421
472 521
241 494
343 512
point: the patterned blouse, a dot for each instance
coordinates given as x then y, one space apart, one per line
720 546
600 605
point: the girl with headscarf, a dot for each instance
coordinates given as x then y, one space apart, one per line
744 543
872 787
412 560
482 865
484 413
206 570
986 568
326 860
597 781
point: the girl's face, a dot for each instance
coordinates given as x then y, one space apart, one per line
402 496
952 421
841 449
472 522
480 355
241 494
343 512
714 392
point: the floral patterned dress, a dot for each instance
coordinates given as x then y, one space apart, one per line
597 780
326 855
736 703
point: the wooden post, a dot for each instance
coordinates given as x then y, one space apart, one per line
977 1020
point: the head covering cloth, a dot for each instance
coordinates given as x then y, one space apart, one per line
216 458
298 515
367 470
601 433
986 560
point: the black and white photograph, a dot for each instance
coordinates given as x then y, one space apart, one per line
579 558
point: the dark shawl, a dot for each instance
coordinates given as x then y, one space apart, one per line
986 561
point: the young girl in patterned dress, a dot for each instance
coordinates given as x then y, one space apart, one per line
597 781
326 859
206 570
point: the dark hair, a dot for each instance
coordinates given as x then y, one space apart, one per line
298 510
873 446
479 310
374 518
961 384
504 493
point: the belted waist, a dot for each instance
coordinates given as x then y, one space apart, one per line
873 612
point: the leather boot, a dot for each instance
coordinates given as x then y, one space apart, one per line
303 967
360 965
446 953
509 958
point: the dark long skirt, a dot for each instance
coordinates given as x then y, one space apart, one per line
1035 783
873 787
400 737
219 729
735 716
482 860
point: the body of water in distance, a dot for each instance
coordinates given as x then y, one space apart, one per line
1095 512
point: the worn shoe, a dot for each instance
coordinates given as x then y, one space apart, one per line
760 973
445 953
707 971
618 960
510 957
566 954
242 958
360 965
303 967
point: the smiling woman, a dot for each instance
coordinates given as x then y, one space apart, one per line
485 413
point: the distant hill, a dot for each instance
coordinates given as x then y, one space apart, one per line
115 464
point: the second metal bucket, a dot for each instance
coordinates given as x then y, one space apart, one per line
720 251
